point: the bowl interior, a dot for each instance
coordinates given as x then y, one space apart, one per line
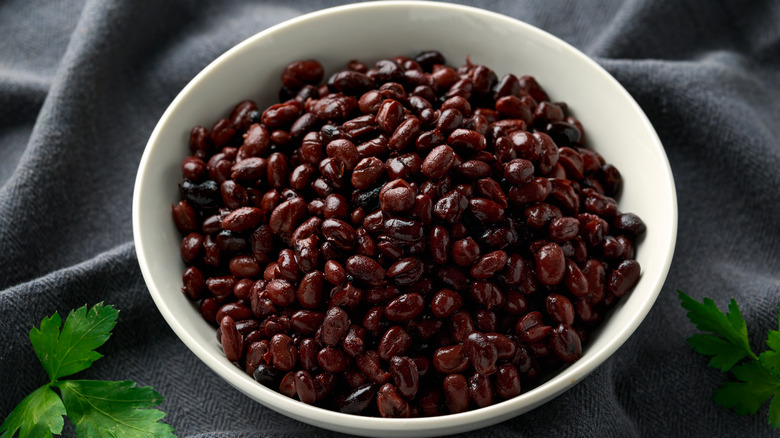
615 126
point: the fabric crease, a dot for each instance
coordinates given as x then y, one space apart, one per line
82 85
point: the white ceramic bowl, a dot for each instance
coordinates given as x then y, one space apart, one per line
615 125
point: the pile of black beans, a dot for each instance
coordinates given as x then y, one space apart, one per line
403 239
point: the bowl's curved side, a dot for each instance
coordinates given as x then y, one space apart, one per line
616 127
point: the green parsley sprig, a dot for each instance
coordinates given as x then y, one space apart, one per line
758 376
97 408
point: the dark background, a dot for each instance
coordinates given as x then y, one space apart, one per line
82 85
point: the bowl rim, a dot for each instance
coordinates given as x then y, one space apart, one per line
526 401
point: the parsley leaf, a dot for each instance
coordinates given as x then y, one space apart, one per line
758 377
71 350
97 408
108 409
39 414
771 358
731 343
756 386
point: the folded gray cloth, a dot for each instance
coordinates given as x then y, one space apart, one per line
82 85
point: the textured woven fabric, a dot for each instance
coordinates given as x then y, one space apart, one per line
82 85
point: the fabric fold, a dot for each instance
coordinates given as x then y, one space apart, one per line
82 85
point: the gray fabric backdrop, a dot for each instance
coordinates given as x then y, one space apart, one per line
82 85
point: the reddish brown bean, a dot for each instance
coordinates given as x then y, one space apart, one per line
489 264
550 264
405 134
405 307
406 272
560 308
280 292
242 219
530 328
506 347
450 359
334 326
456 393
334 272
389 115
540 215
595 273
287 264
306 322
465 251
191 247
283 352
244 266
221 287
304 387
367 172
351 82
515 302
487 294
404 230
518 171
422 209
194 283
390 404
208 310
449 120
286 217
405 376
486 320
299 73
585 311
345 151
439 244
307 354
287 385
199 141
481 352
508 383
332 360
394 342
366 270
445 303
565 343
486 210
575 280
481 390
461 325
310 290
624 277
369 365
438 162
490 189
369 102
571 160
396 196
536 190
221 132
334 107
249 169
354 343
232 340
629 224
450 206
184 217
562 229
467 140
513 107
